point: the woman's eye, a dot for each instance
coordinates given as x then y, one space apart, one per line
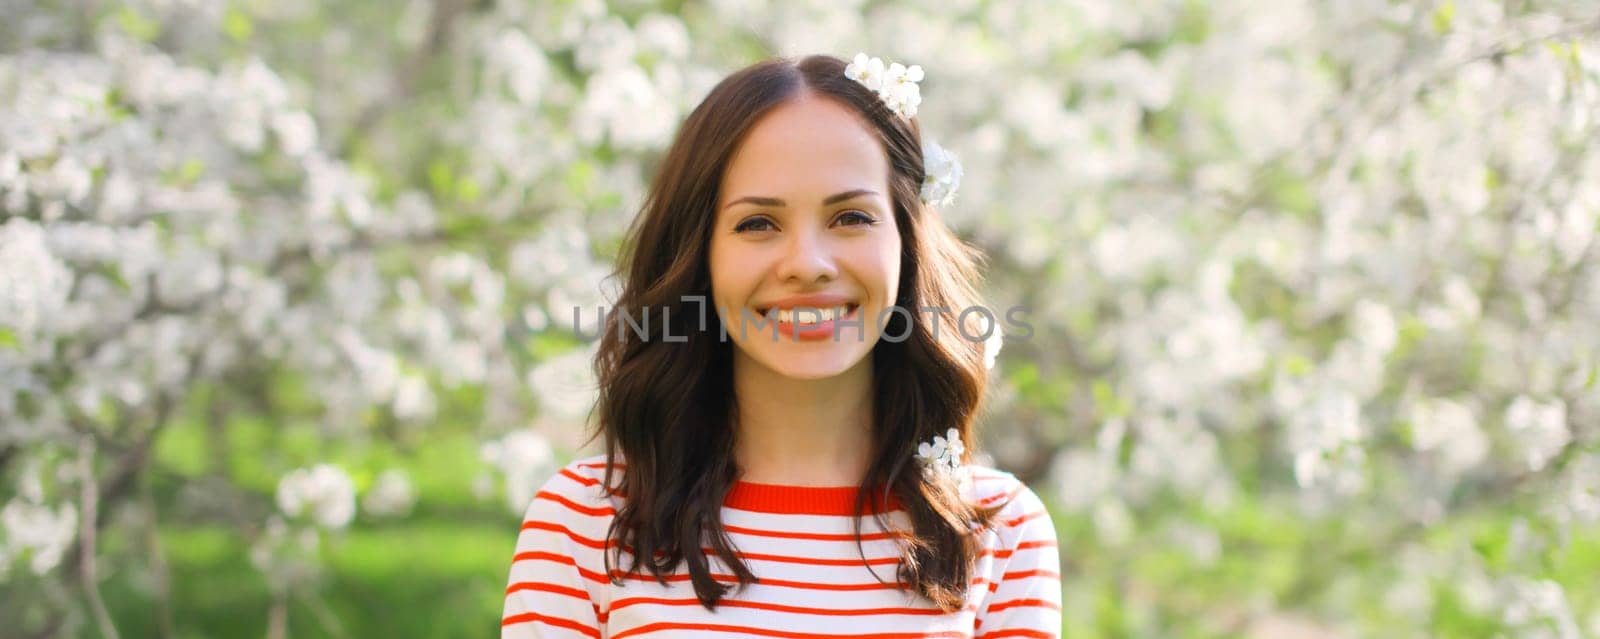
859 218
753 224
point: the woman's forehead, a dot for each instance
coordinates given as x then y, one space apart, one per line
806 145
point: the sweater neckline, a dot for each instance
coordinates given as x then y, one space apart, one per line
786 499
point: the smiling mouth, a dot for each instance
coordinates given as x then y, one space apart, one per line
812 315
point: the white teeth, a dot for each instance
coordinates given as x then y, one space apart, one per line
812 315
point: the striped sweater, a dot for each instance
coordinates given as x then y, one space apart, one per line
799 543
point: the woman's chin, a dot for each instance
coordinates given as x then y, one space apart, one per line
815 364
812 373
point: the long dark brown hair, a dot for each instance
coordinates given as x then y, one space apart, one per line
668 407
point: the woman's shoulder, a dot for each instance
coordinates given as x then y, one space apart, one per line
592 467
1019 504
577 486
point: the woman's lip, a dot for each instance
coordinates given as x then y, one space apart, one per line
813 332
763 311
813 301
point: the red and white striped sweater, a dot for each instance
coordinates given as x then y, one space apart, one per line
799 542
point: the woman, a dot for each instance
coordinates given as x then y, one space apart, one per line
793 202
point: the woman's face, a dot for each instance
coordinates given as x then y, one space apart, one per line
804 220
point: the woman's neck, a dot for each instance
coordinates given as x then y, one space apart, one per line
804 432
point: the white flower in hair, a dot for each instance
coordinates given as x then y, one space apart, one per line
900 75
895 85
942 456
867 71
900 89
942 174
992 346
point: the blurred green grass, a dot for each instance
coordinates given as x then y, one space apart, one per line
442 574
441 570
428 578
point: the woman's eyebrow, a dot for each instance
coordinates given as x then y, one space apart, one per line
772 201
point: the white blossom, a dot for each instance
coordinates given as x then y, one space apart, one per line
607 44
1327 438
523 457
565 384
1540 429
1541 601
82 243
943 174
296 132
33 283
1449 430
1374 326
1083 478
67 180
1579 492
323 493
896 85
942 457
626 107
867 71
190 273
992 346
37 532
391 495
10 169
663 34
900 90
513 58
378 371
413 399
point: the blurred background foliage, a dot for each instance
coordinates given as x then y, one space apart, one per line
285 297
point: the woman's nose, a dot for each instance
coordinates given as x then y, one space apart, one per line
807 258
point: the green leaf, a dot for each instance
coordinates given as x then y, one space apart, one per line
1108 402
136 25
549 344
580 177
181 448
187 173
467 189
441 178
1293 193
237 25
1297 364
1443 17
1491 544
1412 330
